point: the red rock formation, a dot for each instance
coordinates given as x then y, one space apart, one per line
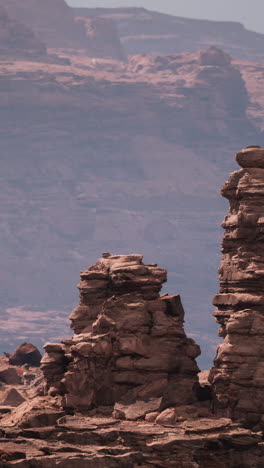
129 348
124 193
238 375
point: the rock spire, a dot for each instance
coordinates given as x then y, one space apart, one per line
129 351
238 375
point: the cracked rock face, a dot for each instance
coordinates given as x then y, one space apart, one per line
238 375
129 351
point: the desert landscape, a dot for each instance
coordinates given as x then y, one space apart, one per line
118 128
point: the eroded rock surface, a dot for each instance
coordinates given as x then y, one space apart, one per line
77 442
123 391
129 350
238 376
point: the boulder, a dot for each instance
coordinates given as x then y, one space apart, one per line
9 375
12 397
26 353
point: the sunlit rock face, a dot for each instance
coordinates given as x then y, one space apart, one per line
129 350
238 376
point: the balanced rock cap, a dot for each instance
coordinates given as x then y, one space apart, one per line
252 156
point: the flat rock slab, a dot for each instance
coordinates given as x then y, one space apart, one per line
85 423
137 410
206 425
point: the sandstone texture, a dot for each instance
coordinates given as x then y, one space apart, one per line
129 350
78 442
237 377
124 390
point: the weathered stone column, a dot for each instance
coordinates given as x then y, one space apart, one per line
129 350
238 375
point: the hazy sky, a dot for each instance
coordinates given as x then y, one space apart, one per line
248 12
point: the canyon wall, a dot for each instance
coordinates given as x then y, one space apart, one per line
124 156
238 375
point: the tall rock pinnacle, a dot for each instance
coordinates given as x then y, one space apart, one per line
129 351
238 375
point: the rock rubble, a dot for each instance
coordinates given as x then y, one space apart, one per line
129 350
238 375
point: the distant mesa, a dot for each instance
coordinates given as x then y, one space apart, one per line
151 32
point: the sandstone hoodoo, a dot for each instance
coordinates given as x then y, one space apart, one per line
238 375
129 351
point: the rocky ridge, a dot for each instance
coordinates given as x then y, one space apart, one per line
149 32
238 373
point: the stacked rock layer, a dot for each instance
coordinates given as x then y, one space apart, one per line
129 350
238 375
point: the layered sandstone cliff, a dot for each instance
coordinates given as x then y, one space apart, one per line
238 376
129 350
